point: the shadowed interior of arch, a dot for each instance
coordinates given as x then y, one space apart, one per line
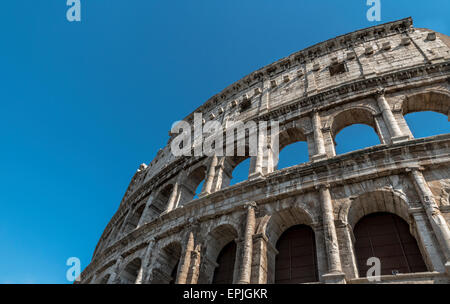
223 274
427 123
386 236
355 137
296 261
130 273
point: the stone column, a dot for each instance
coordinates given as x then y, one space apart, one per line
318 137
142 277
394 129
426 240
260 156
173 198
246 267
260 259
330 148
144 215
186 261
334 274
210 177
219 171
115 275
435 217
194 270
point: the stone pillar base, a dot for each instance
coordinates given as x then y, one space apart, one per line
334 278
318 157
398 139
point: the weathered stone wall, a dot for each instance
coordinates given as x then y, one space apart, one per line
384 73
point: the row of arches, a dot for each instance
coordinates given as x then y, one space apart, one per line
382 235
378 221
353 128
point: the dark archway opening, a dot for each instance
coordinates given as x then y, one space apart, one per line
223 273
387 237
296 261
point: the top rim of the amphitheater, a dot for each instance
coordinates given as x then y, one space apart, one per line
407 22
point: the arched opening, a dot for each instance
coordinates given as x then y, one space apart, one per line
293 154
425 124
223 274
218 253
361 131
159 204
133 221
190 187
387 237
293 148
296 261
130 273
427 114
240 171
199 189
355 137
166 268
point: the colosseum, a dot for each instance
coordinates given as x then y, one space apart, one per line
316 222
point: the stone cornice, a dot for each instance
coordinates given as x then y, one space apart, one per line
308 55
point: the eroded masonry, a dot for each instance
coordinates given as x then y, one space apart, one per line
315 222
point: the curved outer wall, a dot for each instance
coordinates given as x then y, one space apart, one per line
388 71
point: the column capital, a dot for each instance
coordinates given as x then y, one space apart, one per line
380 92
322 186
250 205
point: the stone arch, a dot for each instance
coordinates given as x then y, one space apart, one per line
281 218
383 201
230 163
215 241
133 220
351 116
436 101
190 183
166 265
387 236
129 274
290 134
375 201
159 203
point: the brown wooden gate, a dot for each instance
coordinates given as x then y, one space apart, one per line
223 273
387 237
296 261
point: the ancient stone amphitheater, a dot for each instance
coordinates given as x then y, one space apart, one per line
316 222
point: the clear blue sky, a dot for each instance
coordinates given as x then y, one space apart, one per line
82 105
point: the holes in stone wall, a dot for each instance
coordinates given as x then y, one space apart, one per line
293 154
240 172
387 237
355 137
130 273
424 124
337 68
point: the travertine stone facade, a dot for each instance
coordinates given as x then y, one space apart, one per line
373 76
